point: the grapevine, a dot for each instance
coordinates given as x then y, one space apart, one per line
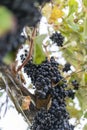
43 87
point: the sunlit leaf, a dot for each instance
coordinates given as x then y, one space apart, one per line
47 10
57 1
73 6
85 2
73 77
70 53
1 93
84 79
82 97
74 113
71 24
85 115
39 54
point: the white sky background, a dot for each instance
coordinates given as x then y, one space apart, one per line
14 121
11 120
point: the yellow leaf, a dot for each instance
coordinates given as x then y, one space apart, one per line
26 102
47 10
55 14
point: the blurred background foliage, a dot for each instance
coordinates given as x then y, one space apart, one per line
73 25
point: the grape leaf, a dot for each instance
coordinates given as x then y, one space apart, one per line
85 115
84 79
71 24
6 20
74 113
10 57
85 28
82 97
85 2
46 10
73 6
26 102
85 127
1 93
39 54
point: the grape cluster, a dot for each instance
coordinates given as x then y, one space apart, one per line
57 117
23 56
57 38
47 80
43 76
75 84
67 67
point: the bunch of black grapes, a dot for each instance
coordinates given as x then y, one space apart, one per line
48 81
43 75
26 13
67 67
57 117
57 38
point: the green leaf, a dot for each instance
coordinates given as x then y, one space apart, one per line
71 24
84 79
85 2
70 53
73 77
39 55
1 93
74 113
10 57
82 97
85 127
73 6
85 28
85 115
5 20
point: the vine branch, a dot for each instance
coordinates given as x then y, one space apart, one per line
30 50
15 89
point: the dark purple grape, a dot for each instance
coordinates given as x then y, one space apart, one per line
67 67
75 84
57 38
